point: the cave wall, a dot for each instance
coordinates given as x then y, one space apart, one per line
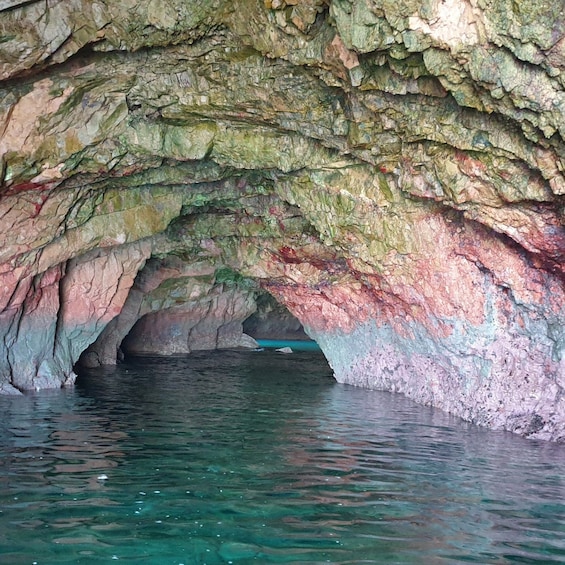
391 172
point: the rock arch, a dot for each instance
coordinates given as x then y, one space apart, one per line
392 173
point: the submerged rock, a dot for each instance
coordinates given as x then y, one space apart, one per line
390 172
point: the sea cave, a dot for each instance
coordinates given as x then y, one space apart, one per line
181 181
391 173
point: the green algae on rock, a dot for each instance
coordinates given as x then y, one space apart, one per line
390 172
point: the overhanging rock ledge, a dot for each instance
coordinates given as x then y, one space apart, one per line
391 172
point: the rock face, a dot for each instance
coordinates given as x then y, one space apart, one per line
391 172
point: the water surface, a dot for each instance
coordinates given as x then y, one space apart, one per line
260 457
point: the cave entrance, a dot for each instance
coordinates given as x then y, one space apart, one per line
182 314
232 319
272 325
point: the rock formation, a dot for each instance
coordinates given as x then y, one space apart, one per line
392 172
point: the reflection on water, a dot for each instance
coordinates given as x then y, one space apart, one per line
263 458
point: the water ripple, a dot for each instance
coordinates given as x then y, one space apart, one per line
261 458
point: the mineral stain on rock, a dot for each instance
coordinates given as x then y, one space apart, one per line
390 172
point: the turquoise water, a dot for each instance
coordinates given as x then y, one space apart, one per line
259 457
295 345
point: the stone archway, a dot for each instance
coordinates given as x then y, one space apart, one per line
391 174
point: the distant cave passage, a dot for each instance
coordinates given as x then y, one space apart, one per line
272 321
196 316
261 321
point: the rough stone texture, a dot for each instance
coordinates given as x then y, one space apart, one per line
392 172
212 321
176 307
46 329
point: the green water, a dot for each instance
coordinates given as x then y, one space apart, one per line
260 457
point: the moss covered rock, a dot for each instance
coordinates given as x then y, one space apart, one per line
390 172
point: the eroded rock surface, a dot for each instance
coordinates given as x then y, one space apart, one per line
391 172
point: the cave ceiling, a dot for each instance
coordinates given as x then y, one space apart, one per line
389 168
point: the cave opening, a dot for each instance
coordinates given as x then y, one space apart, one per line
225 320
185 314
273 325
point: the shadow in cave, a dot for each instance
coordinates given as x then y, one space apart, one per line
172 331
245 321
273 326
